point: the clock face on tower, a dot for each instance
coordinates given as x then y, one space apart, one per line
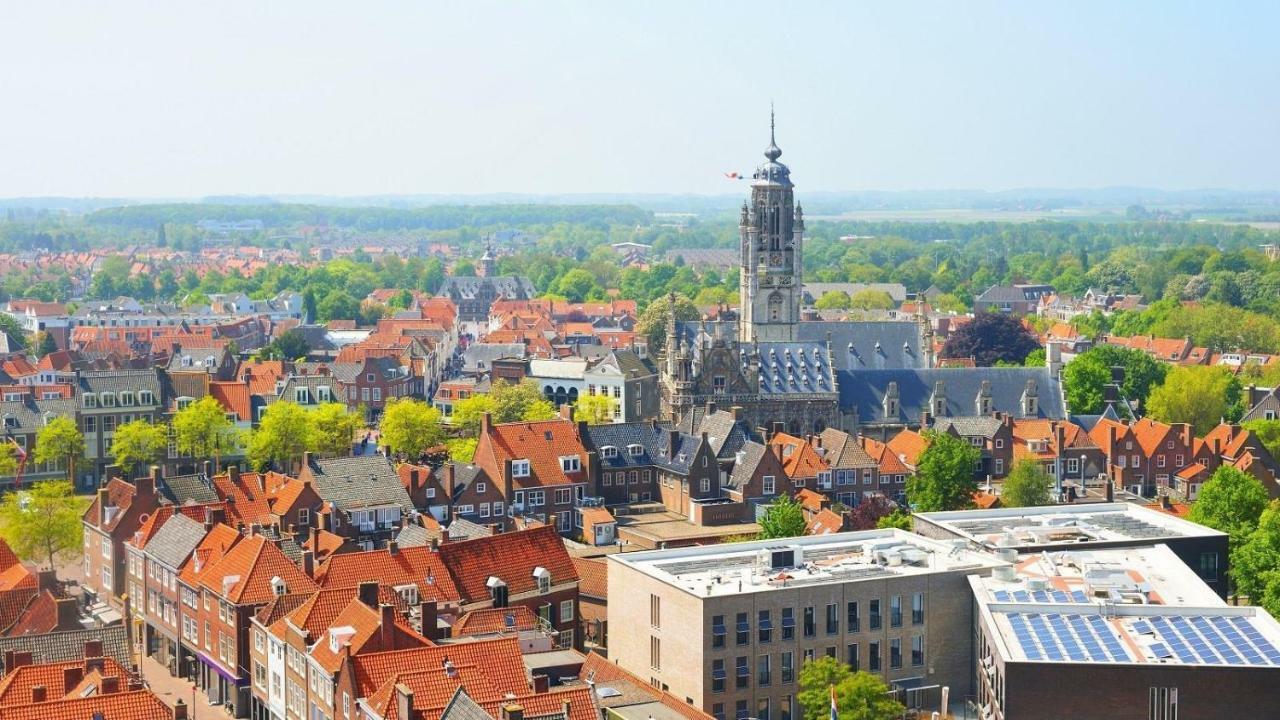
775 259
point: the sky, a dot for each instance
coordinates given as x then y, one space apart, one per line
185 99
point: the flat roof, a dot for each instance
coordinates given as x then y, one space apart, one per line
1065 525
766 565
1151 575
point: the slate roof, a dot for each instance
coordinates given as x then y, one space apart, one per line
359 482
654 440
876 344
479 357
842 451
413 535
725 435
185 489
175 540
750 456
800 367
970 426
1002 294
814 290
120 381
864 391
511 287
29 412
69 645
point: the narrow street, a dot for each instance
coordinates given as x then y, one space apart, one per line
169 689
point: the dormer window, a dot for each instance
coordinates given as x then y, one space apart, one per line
408 593
126 399
146 398
10 421
300 395
570 463
183 402
323 393
520 468
497 591
108 399
635 450
542 577
90 400
609 451
278 586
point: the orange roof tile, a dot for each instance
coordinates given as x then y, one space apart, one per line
593 577
243 576
825 523
908 445
799 458
15 687
234 396
541 443
511 556
495 620
418 565
500 658
130 705
366 624
887 461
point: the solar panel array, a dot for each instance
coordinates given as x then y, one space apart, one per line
1198 640
1067 638
1041 596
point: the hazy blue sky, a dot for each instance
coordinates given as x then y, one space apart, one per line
184 99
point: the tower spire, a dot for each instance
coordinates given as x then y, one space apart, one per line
772 152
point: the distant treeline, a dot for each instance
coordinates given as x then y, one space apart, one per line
438 217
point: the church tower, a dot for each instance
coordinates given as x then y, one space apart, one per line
772 232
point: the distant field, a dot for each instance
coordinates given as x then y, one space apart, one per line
964 215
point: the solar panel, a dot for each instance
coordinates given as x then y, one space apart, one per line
1001 596
1160 650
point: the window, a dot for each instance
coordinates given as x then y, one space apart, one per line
717 631
895 611
259 675
740 710
788 667
90 423
537 497
895 654
743 629
1160 461
742 678
90 400
765 627
1163 703
874 622
763 671
570 463
873 657
564 496
520 468
769 484
1209 566
484 510
917 650
833 618
810 625
719 384
717 709
853 619
784 708
788 624
655 611
851 656
717 675
566 611
608 451
917 609
635 450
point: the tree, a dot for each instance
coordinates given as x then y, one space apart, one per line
202 429
871 299
832 300
60 441
594 409
138 444
991 336
8 458
867 514
1027 485
1085 377
1202 395
10 326
467 413
288 345
281 437
461 450
576 284
309 306
1268 433
333 429
45 344
859 695
784 518
1230 501
411 426
338 305
652 323
1256 562
899 518
944 478
519 402
42 522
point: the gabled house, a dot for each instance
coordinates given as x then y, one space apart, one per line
543 467
363 496
116 513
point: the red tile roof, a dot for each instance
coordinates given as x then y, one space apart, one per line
488 678
130 705
243 576
13 574
417 565
886 459
825 523
234 396
215 544
593 577
799 458
15 687
495 620
366 624
541 443
500 659
511 556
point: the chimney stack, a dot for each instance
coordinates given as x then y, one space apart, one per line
309 563
429 613
110 685
387 626
68 613
367 591
512 711
71 677
146 485
404 702
541 684
93 648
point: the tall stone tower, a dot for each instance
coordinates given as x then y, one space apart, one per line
772 233
488 263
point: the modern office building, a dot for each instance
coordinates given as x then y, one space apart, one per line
1122 633
727 627
1085 526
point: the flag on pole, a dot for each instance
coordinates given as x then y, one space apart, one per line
835 713
733 175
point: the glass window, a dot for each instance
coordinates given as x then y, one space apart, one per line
874 620
895 654
788 624
833 619
917 650
853 619
765 626
763 671
742 629
895 611
717 676
873 657
717 631
742 678
788 667
810 625
852 656
917 609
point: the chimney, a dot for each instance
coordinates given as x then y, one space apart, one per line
46 580
404 702
309 563
711 407
39 694
147 484
68 613
429 613
415 479
508 481
736 411
110 685
435 544
207 466
393 547
1117 374
486 424
93 648
233 473
214 516
512 711
71 677
566 412
179 710
541 684
367 591
673 439
387 626
104 500
1165 502
447 481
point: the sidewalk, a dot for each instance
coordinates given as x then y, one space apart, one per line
169 689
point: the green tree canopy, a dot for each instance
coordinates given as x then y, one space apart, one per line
833 300
783 518
281 436
871 299
42 523
1256 563
333 429
859 695
1268 432
1027 485
462 450
990 337
899 518
60 441
594 409
202 429
137 444
945 477
519 402
289 345
1085 377
652 323
467 412
1231 501
410 427
1202 395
